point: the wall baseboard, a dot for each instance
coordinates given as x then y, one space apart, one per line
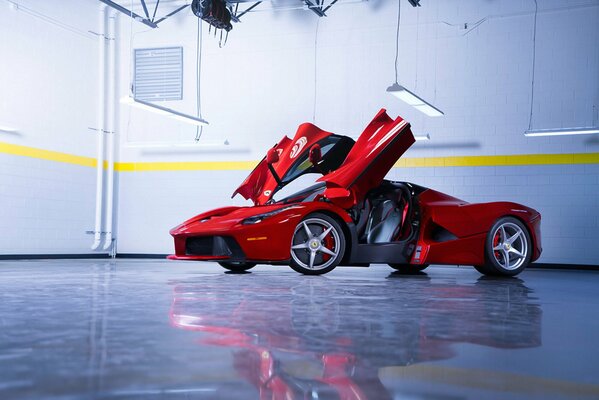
52 256
78 256
578 267
572 267
141 255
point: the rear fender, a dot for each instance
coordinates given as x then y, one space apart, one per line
472 219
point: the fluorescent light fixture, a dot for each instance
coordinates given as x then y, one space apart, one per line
190 145
561 132
421 138
155 108
414 100
8 129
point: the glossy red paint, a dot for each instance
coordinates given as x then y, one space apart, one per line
381 144
265 241
261 185
263 233
469 223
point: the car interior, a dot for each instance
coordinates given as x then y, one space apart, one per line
384 216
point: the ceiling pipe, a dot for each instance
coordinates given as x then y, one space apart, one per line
110 128
100 126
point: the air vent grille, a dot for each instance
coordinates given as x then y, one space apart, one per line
158 74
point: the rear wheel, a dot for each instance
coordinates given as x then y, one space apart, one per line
317 245
508 248
409 267
237 266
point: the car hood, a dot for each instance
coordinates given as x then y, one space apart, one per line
223 218
350 169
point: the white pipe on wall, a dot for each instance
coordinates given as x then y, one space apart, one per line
100 126
110 127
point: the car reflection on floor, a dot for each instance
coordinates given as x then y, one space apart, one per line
322 338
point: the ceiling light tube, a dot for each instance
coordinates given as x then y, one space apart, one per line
190 145
8 129
155 108
421 138
561 131
414 100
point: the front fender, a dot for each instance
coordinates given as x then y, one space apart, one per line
217 212
266 241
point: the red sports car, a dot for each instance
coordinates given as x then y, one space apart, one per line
352 216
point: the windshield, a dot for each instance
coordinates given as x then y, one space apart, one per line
333 149
294 162
304 195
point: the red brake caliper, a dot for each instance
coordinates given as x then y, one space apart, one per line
495 243
329 243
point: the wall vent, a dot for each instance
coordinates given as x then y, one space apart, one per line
158 74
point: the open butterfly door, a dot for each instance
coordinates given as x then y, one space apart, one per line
377 149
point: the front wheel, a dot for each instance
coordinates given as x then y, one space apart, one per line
508 248
317 245
237 266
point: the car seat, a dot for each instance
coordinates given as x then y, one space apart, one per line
363 220
384 222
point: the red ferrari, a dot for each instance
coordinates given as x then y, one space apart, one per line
352 216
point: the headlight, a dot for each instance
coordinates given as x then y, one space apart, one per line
258 218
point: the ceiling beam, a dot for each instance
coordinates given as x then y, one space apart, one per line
329 6
143 4
316 8
171 14
237 16
130 13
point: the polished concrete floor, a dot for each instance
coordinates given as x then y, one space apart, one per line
144 329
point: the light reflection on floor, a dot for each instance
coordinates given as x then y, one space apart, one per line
159 329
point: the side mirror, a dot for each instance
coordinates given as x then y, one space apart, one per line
315 154
272 156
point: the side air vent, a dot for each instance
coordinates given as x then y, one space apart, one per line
158 74
440 234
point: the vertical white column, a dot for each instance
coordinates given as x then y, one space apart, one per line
100 126
110 127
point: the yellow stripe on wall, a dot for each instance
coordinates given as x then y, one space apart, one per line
497 161
186 166
18 150
456 161
460 161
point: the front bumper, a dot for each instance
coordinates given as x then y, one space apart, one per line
207 248
224 238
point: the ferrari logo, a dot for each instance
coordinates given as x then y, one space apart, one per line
298 146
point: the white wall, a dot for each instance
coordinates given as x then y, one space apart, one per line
261 85
47 92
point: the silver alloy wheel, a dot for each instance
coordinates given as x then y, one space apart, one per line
510 246
308 245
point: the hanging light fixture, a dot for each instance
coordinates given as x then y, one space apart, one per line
422 138
8 129
561 131
144 105
402 93
414 100
548 132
